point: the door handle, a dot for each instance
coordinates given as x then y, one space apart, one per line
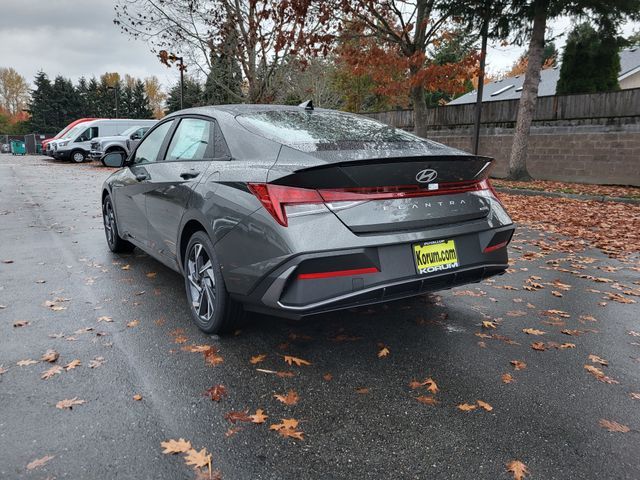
189 175
141 176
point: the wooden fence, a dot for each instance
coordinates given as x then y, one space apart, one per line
624 103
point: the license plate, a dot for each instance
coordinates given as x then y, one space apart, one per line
431 257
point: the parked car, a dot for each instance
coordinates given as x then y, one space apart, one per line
62 133
294 211
121 142
76 144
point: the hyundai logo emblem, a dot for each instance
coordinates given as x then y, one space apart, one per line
426 176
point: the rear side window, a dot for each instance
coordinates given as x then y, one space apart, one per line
148 150
221 150
192 140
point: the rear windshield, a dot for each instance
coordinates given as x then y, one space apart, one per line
299 127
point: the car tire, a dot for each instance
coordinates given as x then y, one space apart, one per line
212 309
116 244
78 156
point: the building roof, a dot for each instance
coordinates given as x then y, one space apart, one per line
510 88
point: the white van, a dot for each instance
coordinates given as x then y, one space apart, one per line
77 142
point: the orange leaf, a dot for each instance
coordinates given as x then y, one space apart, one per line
518 365
259 416
507 378
216 392
175 446
69 403
517 469
485 405
467 407
39 462
291 398
384 351
427 400
613 426
257 358
198 459
533 331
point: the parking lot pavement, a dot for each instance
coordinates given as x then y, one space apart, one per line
366 407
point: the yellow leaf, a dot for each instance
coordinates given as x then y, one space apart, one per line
137 397
198 459
298 361
533 331
384 351
485 405
175 446
488 324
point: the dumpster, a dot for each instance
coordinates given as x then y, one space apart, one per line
18 147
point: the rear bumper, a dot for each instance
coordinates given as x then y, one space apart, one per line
281 292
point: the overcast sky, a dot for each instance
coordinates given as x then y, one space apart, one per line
77 37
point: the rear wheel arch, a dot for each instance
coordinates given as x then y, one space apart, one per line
115 148
189 228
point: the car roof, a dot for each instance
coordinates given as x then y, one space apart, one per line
244 108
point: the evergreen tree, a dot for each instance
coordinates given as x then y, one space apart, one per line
193 95
41 106
223 85
591 62
65 102
139 107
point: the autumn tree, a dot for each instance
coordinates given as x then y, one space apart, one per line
519 67
267 32
14 91
313 78
395 39
537 13
155 95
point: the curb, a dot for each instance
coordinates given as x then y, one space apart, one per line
574 196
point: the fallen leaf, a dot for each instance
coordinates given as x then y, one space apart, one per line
599 374
327 377
517 469
21 323
257 359
538 346
238 416
137 397
40 462
259 416
47 374
484 405
291 398
50 356
197 348
635 395
96 362
466 407
518 365
126 267
216 392
198 459
507 378
24 363
212 358
488 324
133 323
180 339
613 426
597 359
431 385
288 429
533 331
427 399
69 403
72 364
151 275
572 332
298 361
171 446
568 345
3 370
555 293
384 351
362 390
105 318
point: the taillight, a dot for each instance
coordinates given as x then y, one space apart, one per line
283 202
276 197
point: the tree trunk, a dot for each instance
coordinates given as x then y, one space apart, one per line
419 111
529 97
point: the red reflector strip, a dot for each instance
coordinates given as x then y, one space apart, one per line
337 273
493 248
400 191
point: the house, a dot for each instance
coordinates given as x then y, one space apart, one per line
510 88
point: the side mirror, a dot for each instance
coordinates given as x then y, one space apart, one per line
114 159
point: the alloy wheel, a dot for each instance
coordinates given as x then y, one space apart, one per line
202 283
109 220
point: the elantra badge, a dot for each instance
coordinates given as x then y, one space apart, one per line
427 175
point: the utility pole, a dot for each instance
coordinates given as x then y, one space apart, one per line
484 33
181 67
115 97
167 59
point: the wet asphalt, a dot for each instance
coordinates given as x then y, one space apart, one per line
358 414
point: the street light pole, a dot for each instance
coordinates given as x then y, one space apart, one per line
181 82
